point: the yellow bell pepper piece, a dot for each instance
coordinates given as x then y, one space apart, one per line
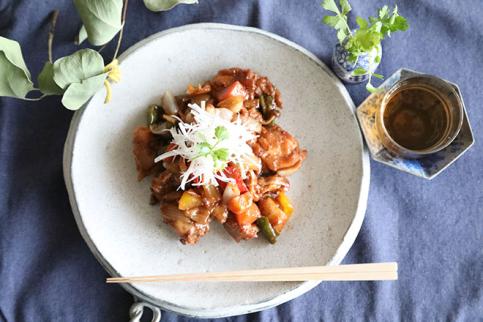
285 204
189 200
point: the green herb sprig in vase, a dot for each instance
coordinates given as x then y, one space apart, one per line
359 51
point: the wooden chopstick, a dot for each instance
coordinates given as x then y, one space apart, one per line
353 272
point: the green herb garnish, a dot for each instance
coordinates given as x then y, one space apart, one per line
221 133
367 37
219 155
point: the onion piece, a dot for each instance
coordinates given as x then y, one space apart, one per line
224 113
169 103
231 191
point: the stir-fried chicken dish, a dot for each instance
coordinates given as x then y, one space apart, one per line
215 155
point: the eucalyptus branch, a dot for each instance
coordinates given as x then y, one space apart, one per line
53 21
123 20
34 99
70 77
103 47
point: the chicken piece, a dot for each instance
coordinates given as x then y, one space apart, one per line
188 230
173 196
200 215
272 185
145 148
252 119
211 195
278 149
164 185
266 186
220 213
251 104
240 232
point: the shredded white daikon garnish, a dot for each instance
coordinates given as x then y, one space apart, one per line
208 145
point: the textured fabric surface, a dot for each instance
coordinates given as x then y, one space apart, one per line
433 229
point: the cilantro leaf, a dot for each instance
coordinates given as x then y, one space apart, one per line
331 21
366 39
383 12
389 22
204 148
221 133
359 71
400 24
339 21
371 87
346 7
330 6
341 35
378 76
362 23
221 154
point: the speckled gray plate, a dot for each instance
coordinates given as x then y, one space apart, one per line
127 235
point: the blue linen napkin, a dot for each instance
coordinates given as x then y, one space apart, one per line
433 229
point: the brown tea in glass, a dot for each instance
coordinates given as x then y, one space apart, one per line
419 116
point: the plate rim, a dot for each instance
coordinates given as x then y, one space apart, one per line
342 250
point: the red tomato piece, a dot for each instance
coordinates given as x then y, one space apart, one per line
233 172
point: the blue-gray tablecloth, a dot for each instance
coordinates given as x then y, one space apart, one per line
432 228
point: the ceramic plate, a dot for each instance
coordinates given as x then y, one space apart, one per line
127 235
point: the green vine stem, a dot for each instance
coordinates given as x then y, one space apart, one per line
53 22
123 20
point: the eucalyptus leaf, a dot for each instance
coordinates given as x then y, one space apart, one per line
46 81
101 18
13 53
82 36
14 74
77 94
13 81
163 5
79 66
